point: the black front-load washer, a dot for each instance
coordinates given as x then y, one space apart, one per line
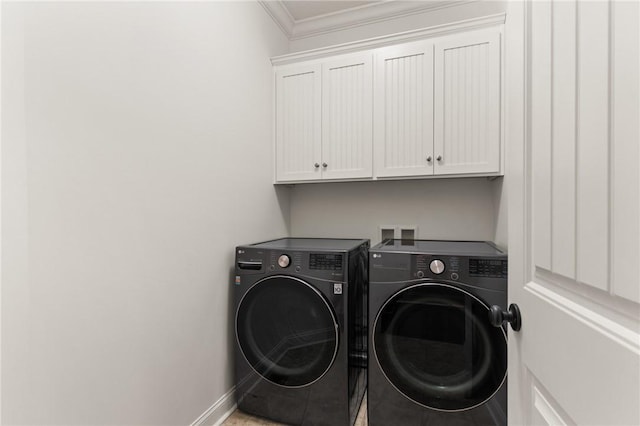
301 329
435 357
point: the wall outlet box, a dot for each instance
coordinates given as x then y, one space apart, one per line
406 233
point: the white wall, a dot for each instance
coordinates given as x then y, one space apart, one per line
462 209
136 153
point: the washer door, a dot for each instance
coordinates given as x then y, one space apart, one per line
287 331
435 344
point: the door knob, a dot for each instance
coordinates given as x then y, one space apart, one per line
428 159
324 165
316 165
439 158
497 316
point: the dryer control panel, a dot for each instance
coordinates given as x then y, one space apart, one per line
488 272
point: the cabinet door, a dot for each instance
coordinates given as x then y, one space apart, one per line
347 133
467 103
403 110
298 120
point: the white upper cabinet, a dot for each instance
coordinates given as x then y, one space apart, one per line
298 123
423 108
346 118
323 115
467 104
403 110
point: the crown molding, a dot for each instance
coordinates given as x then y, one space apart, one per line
349 18
407 36
366 14
280 15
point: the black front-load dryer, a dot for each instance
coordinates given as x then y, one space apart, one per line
435 358
301 329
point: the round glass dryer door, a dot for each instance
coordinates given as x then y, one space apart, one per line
435 344
287 331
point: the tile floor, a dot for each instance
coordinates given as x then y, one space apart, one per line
238 418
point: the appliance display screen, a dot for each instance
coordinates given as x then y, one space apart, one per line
327 262
489 268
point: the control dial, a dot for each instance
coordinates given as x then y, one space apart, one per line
284 261
437 266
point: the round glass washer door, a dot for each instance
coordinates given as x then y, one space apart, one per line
287 331
435 344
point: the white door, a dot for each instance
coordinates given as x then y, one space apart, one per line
298 120
467 103
347 109
574 189
403 110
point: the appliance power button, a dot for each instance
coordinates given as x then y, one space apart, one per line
284 261
437 266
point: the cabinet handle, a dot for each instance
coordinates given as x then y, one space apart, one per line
439 158
316 165
428 159
324 165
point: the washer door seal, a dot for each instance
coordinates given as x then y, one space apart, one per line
436 346
287 331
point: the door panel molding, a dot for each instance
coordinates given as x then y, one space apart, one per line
589 363
563 155
592 148
605 326
616 308
583 143
540 135
547 413
625 157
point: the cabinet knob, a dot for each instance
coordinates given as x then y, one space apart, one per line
439 158
316 165
428 159
324 165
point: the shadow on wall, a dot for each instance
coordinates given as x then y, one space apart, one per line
283 196
500 216
231 318
460 208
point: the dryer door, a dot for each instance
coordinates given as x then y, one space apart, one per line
287 331
435 344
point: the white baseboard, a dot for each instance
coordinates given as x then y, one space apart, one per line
219 411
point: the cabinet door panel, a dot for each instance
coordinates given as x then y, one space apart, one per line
347 134
467 104
403 110
298 118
